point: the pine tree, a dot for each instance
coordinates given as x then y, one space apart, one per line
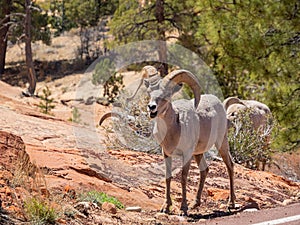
46 104
152 20
253 48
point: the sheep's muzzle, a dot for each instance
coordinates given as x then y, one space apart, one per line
152 110
153 114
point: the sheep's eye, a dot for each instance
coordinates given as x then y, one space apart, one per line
161 99
146 83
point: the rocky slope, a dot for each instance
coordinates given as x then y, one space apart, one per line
56 159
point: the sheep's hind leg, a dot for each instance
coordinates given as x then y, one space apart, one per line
184 176
200 160
225 154
168 203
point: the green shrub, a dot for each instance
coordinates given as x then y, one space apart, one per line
99 198
39 212
46 104
248 146
113 86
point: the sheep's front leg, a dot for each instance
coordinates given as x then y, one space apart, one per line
168 203
184 176
200 160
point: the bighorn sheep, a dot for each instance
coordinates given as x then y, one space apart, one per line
188 128
260 112
260 117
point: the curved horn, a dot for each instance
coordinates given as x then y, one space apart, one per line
184 76
109 114
231 100
147 72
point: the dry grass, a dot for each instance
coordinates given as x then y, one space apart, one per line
133 135
30 192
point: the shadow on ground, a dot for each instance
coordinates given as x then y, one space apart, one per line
16 73
194 217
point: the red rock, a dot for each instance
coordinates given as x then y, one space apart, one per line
61 221
67 188
69 191
7 191
109 207
45 192
218 194
5 175
251 204
13 208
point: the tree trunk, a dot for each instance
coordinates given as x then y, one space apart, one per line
3 34
28 51
162 45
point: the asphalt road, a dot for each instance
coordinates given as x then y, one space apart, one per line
282 215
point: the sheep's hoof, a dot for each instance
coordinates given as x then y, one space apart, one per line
184 209
165 208
166 211
231 205
195 204
183 213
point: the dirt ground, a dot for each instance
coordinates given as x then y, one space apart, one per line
135 178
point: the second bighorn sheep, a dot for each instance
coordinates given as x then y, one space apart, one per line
261 121
259 115
188 128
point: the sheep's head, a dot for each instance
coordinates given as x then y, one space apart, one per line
159 102
233 111
151 79
160 99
